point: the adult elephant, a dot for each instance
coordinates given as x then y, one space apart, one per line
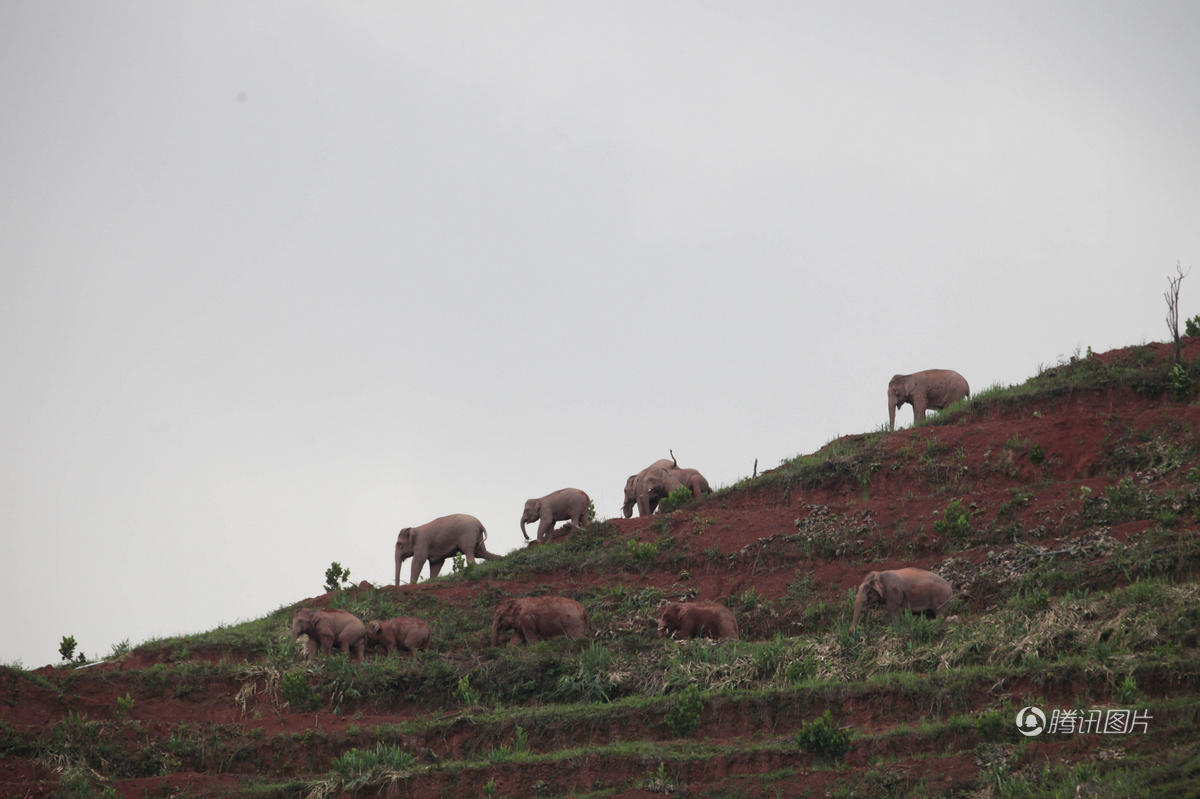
697 619
531 619
566 504
435 541
914 590
329 628
633 488
932 388
407 633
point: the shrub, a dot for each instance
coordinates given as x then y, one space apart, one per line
823 738
642 553
684 716
1037 456
336 578
678 498
66 647
124 704
295 690
955 521
357 767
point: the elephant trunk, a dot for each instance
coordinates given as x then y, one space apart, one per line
859 602
523 523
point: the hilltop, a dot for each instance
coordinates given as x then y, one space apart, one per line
1064 510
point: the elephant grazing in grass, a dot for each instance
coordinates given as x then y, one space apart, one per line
933 388
697 619
329 628
435 541
914 590
566 504
407 633
534 618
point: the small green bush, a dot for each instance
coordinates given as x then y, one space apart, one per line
684 716
642 553
955 522
822 737
295 690
336 578
678 498
66 647
1191 327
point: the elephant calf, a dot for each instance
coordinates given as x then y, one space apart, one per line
533 618
406 633
329 628
697 619
566 504
914 590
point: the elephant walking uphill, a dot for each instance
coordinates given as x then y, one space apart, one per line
566 504
329 628
914 590
530 619
932 388
435 541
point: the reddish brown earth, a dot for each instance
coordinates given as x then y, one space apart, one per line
1076 432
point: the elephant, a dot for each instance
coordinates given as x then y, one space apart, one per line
932 388
915 590
438 540
329 628
566 504
697 619
407 633
657 484
633 488
531 619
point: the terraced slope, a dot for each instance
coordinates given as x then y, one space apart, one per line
1064 510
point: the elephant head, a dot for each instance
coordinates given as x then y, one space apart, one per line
404 549
505 620
669 620
899 392
532 513
630 496
870 590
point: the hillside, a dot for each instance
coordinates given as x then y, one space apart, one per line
1064 511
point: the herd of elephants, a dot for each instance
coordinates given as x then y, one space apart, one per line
531 619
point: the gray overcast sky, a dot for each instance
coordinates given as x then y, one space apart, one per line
280 278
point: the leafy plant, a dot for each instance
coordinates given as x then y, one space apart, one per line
1191 327
681 496
464 693
124 704
336 578
955 522
683 718
823 737
642 553
66 647
295 690
1037 456
358 767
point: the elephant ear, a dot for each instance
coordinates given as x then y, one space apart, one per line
875 583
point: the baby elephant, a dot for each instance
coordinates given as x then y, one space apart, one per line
915 590
566 504
536 617
330 628
697 619
406 633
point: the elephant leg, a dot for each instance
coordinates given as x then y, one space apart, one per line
435 566
417 564
919 405
326 643
544 527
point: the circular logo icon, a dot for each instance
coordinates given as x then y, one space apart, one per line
1031 721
